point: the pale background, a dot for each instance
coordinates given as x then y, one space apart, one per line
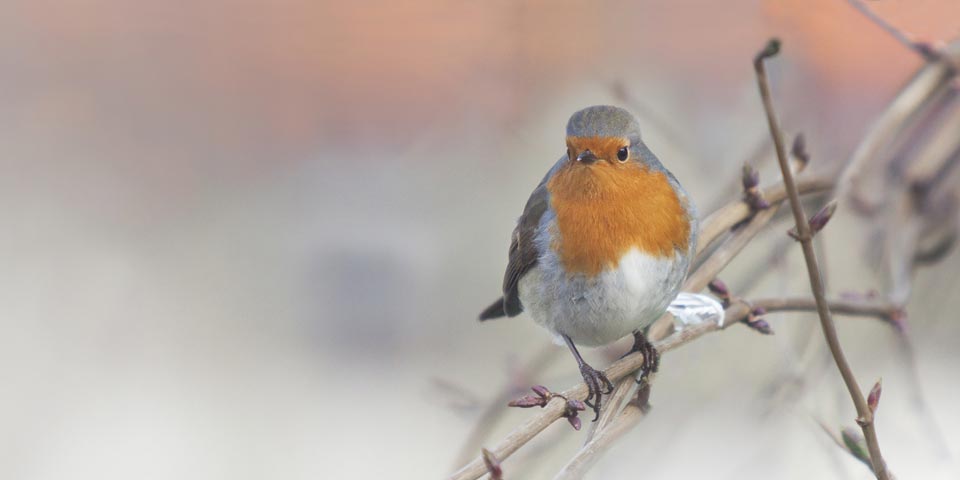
246 239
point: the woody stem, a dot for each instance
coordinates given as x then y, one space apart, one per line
805 237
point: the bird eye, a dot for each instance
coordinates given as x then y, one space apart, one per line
622 154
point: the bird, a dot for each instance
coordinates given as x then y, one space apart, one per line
603 245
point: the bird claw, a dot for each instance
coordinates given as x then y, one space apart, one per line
651 362
596 382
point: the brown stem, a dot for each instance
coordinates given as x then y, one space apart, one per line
882 310
865 416
925 51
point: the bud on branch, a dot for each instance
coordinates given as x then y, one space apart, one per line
817 221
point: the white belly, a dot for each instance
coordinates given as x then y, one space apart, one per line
607 307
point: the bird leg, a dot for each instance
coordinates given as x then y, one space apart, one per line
595 379
651 358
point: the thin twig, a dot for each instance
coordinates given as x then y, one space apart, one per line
856 308
924 50
907 108
865 416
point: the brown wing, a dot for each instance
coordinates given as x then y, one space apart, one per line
523 256
523 250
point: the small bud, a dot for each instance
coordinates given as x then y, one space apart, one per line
493 464
799 152
541 391
756 201
750 177
571 410
762 326
770 49
820 219
873 400
755 321
528 402
718 288
576 405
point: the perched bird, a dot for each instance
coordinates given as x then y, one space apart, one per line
603 244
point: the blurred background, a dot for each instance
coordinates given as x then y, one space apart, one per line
251 239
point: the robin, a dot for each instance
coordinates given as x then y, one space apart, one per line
603 244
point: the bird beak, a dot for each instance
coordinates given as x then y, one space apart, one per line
586 157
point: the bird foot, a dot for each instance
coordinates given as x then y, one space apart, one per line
597 385
651 362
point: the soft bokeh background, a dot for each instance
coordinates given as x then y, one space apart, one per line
250 239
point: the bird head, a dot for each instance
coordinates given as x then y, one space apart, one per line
604 135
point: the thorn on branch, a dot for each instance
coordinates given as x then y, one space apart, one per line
817 221
873 399
493 464
543 397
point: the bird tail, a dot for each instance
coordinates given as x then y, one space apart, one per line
495 310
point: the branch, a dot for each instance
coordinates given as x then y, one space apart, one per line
555 408
816 285
931 81
925 50
888 312
720 221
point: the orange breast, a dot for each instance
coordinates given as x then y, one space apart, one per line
604 210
